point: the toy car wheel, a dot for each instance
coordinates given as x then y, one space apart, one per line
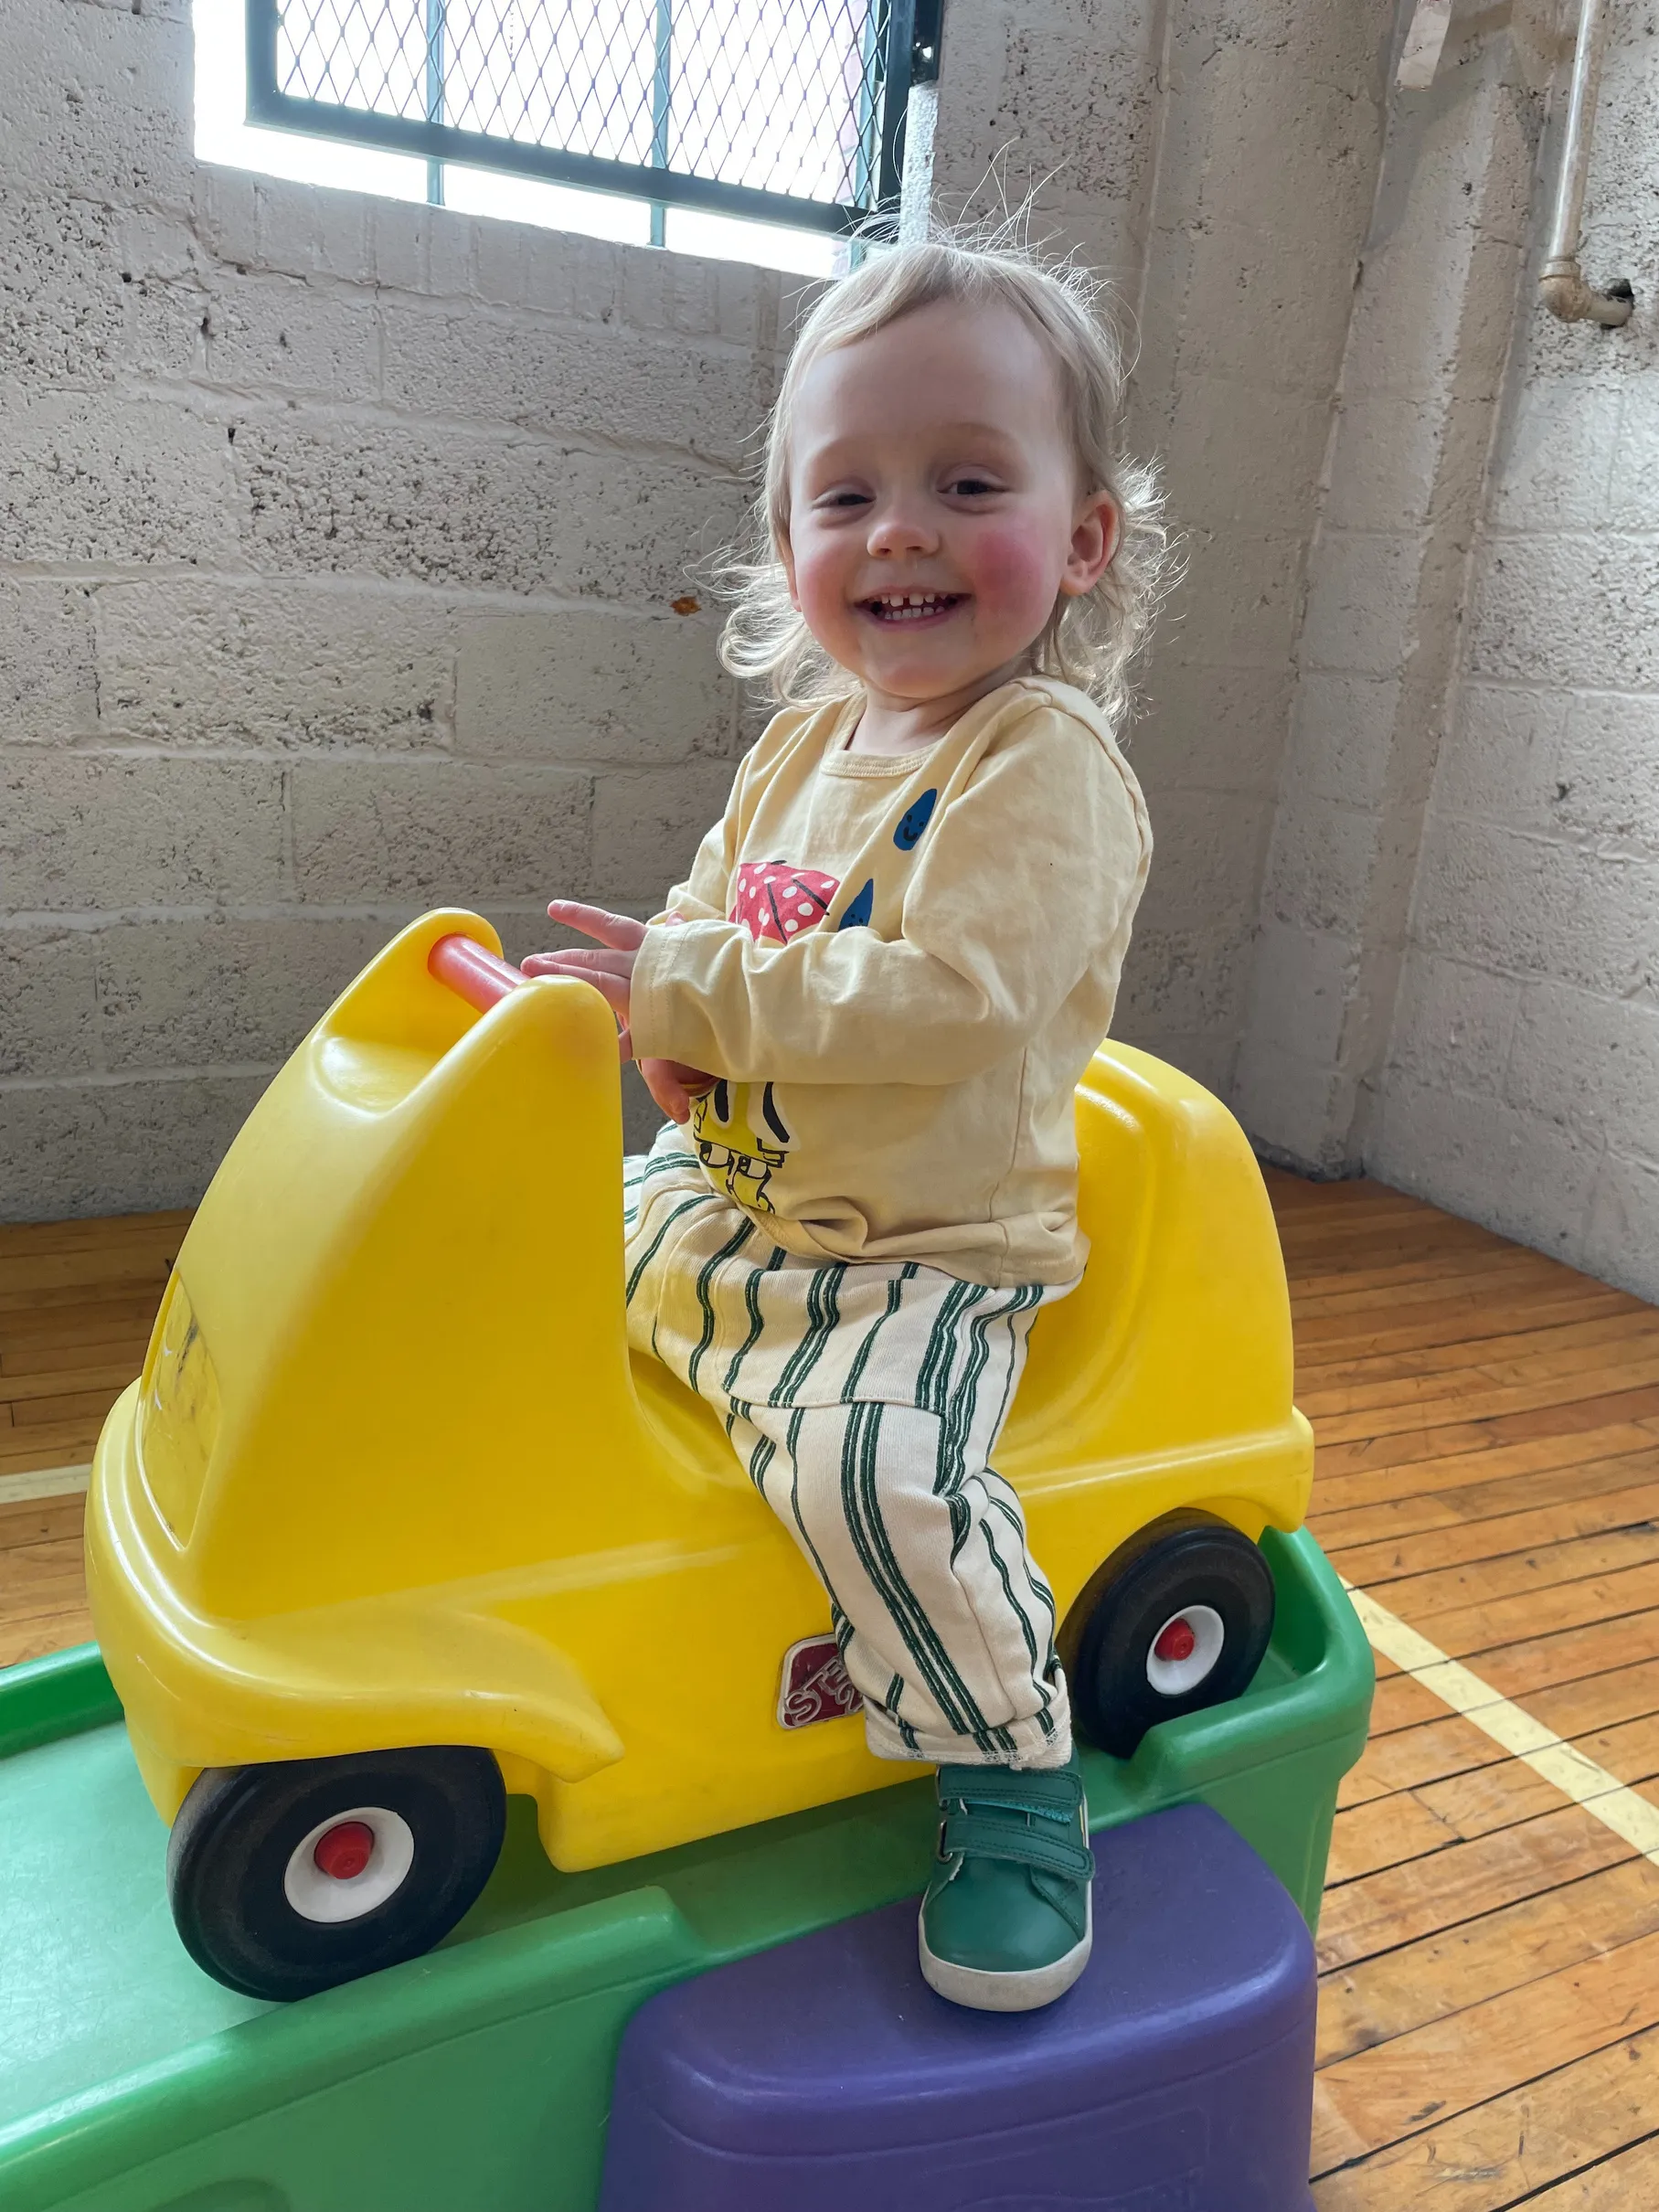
286 1879
1176 1621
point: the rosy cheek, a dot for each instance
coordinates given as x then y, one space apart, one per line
818 580
1013 568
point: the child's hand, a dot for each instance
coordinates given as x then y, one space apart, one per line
670 1082
674 1086
609 972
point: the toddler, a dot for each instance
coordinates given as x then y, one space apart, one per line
869 1006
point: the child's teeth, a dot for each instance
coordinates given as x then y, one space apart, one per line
903 602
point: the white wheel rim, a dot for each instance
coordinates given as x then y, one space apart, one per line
1175 1677
328 1897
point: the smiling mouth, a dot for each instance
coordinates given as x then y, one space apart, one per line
911 606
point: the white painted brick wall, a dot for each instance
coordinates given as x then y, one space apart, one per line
199 662
1377 651
339 544
98 104
48 682
89 832
108 481
1517 1173
1271 132
575 686
1531 1016
437 833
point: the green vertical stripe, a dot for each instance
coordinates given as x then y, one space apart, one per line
1040 1586
791 1444
960 1407
824 1316
1027 1299
855 1374
706 1275
651 1165
861 1496
751 1299
1018 1610
649 1253
889 1705
760 1461
933 1378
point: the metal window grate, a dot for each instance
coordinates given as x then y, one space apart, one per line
783 111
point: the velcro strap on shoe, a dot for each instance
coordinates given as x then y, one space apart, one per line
1050 1792
1047 1847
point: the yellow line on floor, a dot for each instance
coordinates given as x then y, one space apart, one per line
44 1483
1615 1804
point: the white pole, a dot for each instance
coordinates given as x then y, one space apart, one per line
1566 293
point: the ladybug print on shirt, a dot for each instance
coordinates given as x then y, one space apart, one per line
777 902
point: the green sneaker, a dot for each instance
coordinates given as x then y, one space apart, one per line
1007 1922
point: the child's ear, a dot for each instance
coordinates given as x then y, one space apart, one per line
1094 543
786 555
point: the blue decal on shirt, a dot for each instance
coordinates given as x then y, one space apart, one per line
859 909
913 821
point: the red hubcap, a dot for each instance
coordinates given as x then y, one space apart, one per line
345 1850
1175 1641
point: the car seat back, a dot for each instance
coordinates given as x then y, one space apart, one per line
1179 1332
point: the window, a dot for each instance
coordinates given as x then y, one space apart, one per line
712 125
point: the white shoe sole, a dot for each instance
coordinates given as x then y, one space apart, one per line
1007 1992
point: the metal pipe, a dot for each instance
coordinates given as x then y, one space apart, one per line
1564 291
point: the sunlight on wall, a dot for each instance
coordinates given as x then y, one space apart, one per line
221 135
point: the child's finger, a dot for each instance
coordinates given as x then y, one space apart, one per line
620 930
694 1081
579 962
663 1082
613 989
578 959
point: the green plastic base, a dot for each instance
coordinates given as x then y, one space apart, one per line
479 2077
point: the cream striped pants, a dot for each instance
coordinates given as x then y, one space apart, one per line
864 1401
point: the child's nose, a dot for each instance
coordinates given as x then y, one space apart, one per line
898 530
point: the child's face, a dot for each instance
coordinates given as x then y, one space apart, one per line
934 511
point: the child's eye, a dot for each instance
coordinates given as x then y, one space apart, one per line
972 487
843 499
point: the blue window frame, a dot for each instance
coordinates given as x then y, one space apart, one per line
780 111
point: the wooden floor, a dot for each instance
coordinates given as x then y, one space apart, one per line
77 1299
1488 1427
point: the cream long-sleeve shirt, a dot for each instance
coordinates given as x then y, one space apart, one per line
900 968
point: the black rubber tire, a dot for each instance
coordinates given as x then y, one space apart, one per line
1190 1560
237 1828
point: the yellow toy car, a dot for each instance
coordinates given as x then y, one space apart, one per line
392 1524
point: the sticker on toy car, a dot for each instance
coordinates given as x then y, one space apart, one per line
814 1685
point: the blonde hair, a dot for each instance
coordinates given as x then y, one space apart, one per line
1090 639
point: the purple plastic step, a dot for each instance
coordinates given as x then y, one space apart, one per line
825 2076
